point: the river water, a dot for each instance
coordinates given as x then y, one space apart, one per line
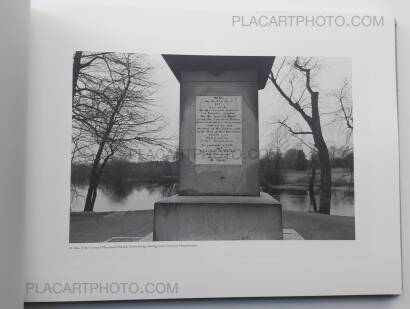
142 196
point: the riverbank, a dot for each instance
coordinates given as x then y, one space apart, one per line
134 225
293 178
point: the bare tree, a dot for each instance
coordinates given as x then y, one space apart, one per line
344 99
112 111
81 61
332 152
344 112
278 139
297 75
344 115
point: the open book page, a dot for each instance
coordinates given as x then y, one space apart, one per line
244 149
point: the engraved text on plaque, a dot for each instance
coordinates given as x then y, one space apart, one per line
218 125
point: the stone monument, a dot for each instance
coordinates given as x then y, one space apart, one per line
218 196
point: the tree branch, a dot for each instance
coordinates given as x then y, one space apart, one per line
293 104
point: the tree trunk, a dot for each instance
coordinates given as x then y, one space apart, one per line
312 189
92 187
95 177
76 69
325 178
94 196
324 158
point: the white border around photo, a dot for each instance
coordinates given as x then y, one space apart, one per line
371 264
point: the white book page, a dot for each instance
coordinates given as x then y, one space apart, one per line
369 264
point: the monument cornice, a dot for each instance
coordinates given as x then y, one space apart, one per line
218 64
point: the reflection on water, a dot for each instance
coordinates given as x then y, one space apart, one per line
123 196
142 196
342 203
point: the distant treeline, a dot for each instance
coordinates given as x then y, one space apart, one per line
273 163
118 170
271 168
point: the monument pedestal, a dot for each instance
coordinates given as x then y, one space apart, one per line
218 182
217 218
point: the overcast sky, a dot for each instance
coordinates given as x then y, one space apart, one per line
271 105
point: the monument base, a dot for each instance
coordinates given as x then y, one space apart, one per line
217 218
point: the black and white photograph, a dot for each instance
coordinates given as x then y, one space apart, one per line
173 147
